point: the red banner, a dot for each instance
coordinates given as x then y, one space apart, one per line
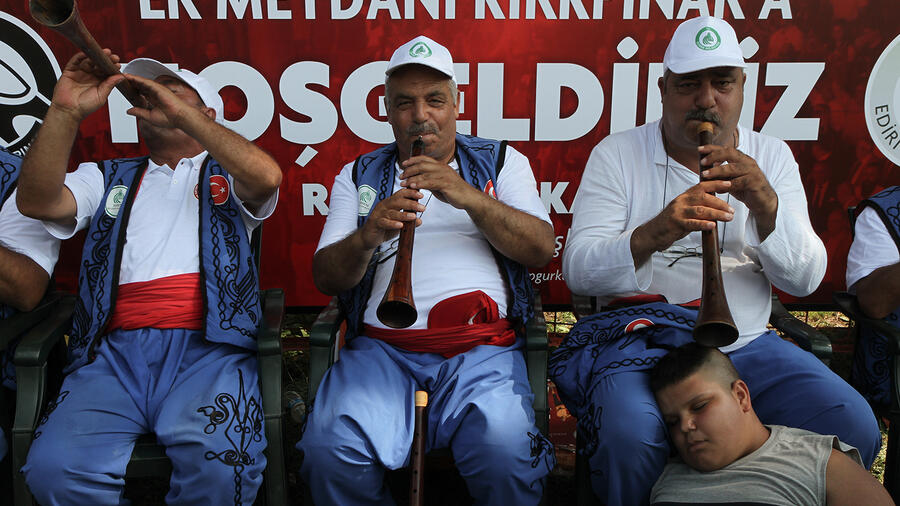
303 79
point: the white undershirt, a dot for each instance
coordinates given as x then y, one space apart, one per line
450 255
27 236
872 248
162 237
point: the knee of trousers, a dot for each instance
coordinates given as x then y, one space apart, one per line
631 440
51 473
335 459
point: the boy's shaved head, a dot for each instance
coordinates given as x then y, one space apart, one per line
688 359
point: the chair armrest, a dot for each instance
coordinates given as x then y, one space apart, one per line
848 304
269 334
583 305
30 359
536 345
36 344
322 345
17 324
804 335
268 340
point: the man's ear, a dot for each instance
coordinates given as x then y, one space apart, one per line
741 393
210 113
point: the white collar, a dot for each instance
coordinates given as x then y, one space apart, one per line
193 162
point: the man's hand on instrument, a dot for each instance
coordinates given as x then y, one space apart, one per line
425 173
748 183
83 88
388 216
693 210
165 109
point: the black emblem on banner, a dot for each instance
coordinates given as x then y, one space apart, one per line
28 73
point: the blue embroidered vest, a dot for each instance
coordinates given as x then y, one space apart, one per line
871 373
9 174
227 271
479 161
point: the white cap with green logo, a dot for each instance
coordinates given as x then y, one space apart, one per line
702 43
422 51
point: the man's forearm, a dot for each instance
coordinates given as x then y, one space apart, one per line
517 235
41 185
22 280
879 292
255 172
341 266
643 244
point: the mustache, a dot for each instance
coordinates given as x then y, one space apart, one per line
703 116
424 128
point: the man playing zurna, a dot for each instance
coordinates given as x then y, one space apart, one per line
163 338
482 223
636 227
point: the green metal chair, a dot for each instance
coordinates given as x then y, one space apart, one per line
11 329
325 336
848 304
38 379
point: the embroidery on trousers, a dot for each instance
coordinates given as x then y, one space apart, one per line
51 407
242 421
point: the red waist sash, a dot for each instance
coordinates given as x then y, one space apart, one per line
173 302
455 325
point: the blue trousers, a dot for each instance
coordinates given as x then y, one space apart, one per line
788 386
201 399
480 405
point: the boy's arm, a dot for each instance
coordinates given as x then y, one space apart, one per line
848 483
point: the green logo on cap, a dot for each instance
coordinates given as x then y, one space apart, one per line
420 50
708 39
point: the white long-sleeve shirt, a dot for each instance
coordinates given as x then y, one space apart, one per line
629 179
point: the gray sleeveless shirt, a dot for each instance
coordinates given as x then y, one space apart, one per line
788 469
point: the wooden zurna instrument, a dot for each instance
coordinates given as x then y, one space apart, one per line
63 17
397 309
417 452
715 327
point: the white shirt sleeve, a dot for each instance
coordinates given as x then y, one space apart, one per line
872 248
343 209
26 236
597 258
252 220
517 188
793 256
86 185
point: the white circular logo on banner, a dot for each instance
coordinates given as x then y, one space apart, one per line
883 102
115 199
366 197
